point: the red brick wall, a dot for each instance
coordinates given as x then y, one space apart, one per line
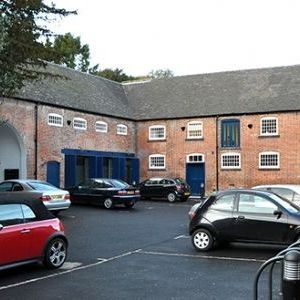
51 140
176 147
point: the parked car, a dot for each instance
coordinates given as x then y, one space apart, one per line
53 198
244 216
105 191
169 188
30 233
288 191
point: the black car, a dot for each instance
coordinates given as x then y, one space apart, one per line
244 216
105 191
170 188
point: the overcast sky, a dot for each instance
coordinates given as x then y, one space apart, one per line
185 36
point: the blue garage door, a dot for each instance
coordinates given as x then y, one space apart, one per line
195 177
53 169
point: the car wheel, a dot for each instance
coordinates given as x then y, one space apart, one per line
171 197
108 203
55 253
129 204
202 240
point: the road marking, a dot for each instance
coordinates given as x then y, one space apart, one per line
183 236
102 261
70 265
201 257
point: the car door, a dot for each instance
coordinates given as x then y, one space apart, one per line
255 219
80 193
97 192
220 215
13 235
148 189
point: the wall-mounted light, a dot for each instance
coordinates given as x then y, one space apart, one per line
250 126
69 122
182 128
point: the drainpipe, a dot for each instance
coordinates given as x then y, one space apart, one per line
217 153
35 140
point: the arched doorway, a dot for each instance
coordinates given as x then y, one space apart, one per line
12 153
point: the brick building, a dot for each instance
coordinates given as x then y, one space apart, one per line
217 130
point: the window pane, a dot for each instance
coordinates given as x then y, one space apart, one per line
195 130
268 126
269 160
157 132
28 213
10 214
230 135
6 187
231 161
225 203
157 162
255 204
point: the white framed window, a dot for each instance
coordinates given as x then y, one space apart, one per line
157 161
231 160
121 129
195 130
269 126
195 158
55 120
79 123
269 160
101 126
157 132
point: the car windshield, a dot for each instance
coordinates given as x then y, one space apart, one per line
179 180
288 205
41 186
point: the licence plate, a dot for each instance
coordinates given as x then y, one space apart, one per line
186 194
57 197
130 192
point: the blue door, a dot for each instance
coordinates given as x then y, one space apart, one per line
195 177
53 169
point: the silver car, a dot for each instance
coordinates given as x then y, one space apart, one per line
287 191
53 198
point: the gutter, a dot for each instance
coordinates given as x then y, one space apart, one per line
36 140
217 153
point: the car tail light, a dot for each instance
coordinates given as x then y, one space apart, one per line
122 193
67 197
45 198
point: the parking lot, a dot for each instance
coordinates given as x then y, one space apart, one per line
140 253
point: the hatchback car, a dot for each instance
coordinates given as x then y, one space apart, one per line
171 189
288 191
244 216
53 198
105 191
30 233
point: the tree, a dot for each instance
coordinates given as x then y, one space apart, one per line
160 73
69 52
115 75
22 53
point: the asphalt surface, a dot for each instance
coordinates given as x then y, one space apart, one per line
140 253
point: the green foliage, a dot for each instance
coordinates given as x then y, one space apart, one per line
68 51
160 73
22 54
115 75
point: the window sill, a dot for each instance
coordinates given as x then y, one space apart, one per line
164 169
194 139
158 140
268 169
268 136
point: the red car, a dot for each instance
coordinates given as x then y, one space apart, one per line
30 233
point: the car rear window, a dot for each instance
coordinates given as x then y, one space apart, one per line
119 184
41 186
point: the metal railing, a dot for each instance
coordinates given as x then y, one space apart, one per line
290 273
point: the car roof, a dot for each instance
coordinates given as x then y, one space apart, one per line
293 187
253 191
36 205
23 180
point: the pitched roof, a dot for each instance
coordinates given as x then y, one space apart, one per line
79 91
236 92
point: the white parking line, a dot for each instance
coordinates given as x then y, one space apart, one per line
102 261
201 257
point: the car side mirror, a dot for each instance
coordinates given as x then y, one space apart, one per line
1 227
277 213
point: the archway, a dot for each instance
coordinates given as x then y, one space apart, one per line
12 153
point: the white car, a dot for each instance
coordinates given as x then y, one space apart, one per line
287 191
53 198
